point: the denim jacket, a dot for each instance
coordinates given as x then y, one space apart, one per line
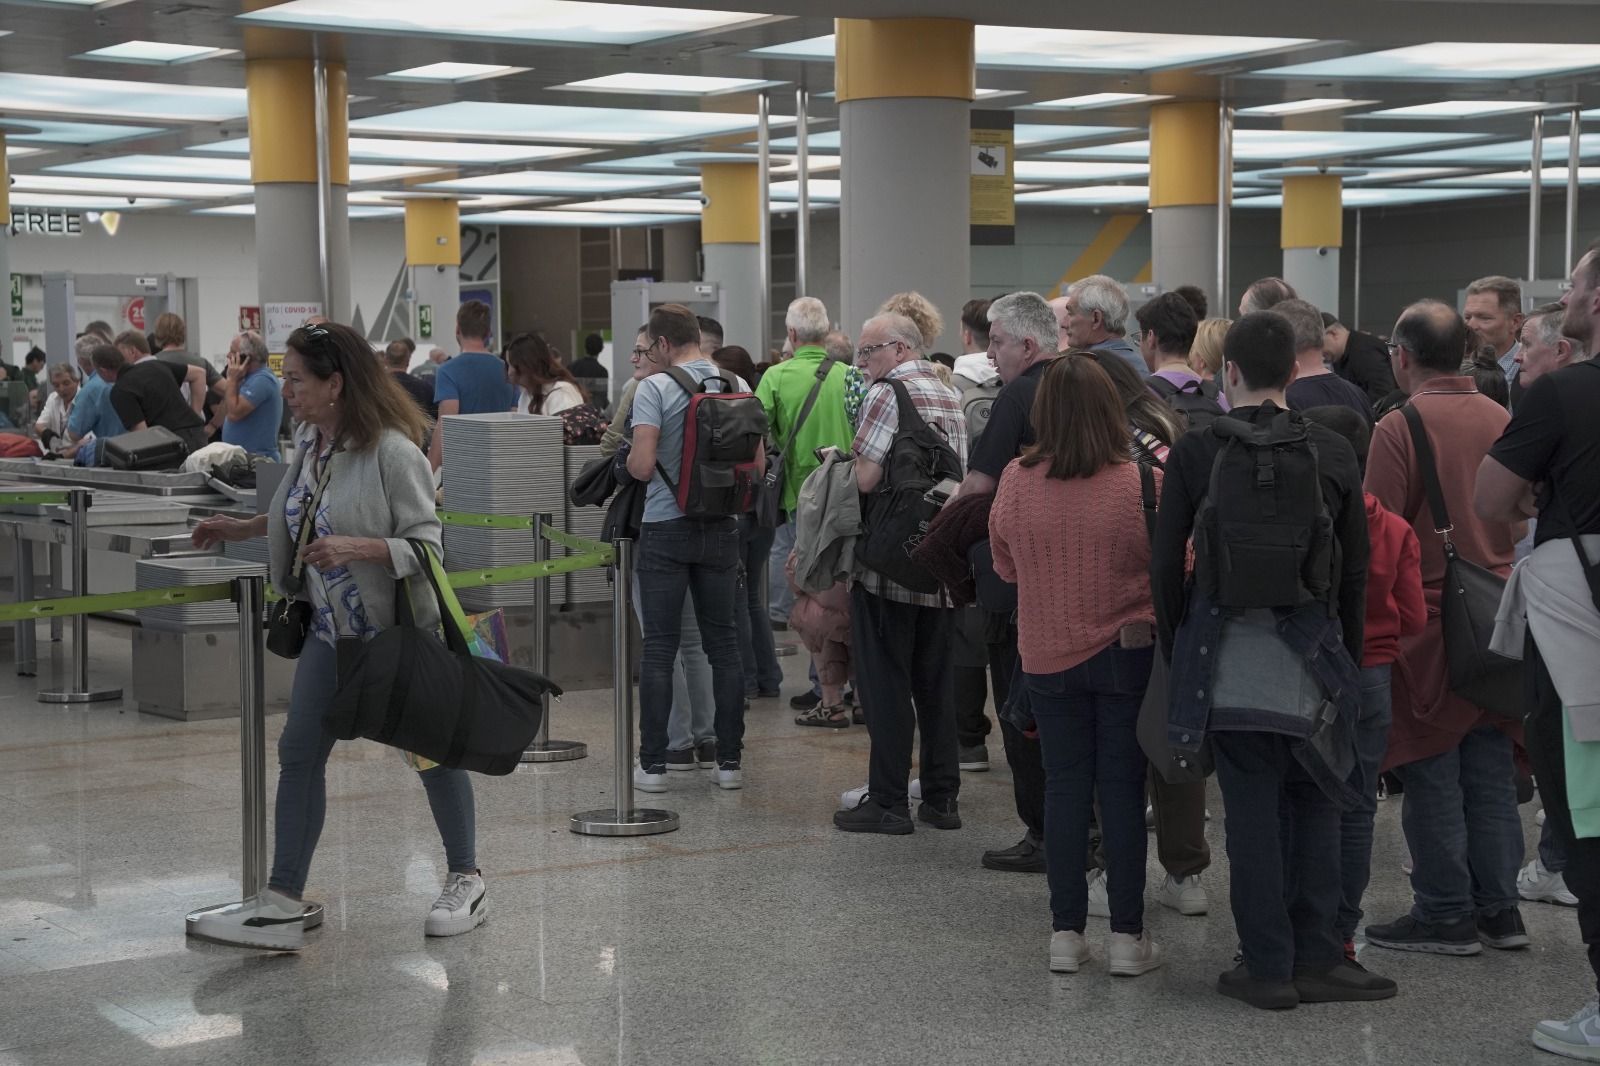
1327 744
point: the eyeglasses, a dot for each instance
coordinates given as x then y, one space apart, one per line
863 353
1391 347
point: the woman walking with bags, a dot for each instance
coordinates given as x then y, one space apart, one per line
1068 527
358 488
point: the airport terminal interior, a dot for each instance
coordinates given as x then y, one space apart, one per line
252 187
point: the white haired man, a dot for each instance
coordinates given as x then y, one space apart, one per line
900 639
252 400
1095 316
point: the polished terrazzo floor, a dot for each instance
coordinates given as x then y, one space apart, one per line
755 934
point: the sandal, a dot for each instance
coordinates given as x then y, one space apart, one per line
825 717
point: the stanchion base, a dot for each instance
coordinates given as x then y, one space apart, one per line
556 751
81 697
610 822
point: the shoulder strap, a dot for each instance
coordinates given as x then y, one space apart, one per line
905 410
451 618
823 370
1161 386
1430 474
685 380
308 520
1147 490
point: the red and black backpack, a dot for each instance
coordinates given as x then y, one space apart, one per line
722 434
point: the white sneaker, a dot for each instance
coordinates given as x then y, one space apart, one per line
645 781
1186 895
1537 884
915 791
851 798
460 908
729 775
1129 956
1099 901
1068 951
1576 1038
1149 816
271 920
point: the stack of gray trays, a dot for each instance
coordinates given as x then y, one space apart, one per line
189 570
584 586
249 551
501 464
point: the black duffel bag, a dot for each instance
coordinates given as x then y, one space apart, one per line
408 689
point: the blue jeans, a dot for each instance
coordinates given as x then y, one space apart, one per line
1355 826
303 750
1460 819
678 559
1087 718
1551 853
691 720
757 650
780 601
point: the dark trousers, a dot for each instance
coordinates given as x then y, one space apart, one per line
1285 893
902 656
970 677
757 648
1022 751
1547 750
675 558
1180 816
1087 718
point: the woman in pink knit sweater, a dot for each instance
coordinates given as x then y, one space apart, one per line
1068 528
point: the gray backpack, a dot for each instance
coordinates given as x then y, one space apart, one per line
976 403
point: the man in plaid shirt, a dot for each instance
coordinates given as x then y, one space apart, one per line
900 640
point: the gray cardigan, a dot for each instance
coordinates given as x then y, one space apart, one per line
385 491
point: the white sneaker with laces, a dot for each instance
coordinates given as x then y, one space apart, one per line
851 798
1186 895
271 920
1068 951
1129 956
1099 900
1538 884
645 781
1576 1038
460 908
915 791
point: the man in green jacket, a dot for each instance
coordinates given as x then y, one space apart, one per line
783 392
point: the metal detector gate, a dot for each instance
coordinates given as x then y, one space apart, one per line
160 292
631 303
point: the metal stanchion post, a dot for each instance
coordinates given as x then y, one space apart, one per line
22 584
56 590
624 820
543 749
79 691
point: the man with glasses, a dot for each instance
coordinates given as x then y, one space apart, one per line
900 639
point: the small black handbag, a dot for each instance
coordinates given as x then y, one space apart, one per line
289 623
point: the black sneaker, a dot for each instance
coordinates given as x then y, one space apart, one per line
944 815
1408 934
974 759
1504 931
705 754
870 816
1344 982
1266 995
1026 856
806 700
857 715
681 759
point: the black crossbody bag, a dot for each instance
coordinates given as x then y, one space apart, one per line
289 623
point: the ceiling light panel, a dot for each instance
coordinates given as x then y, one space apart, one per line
818 190
1400 197
639 205
200 168
568 218
1268 146
43 183
403 150
87 203
451 73
120 99
249 211
563 21
1088 196
1024 135
560 183
44 131
1507 152
155 53
679 162
1459 109
1452 61
17 151
1548 176
1052 172
666 84
1092 101
547 122
1008 46
1303 107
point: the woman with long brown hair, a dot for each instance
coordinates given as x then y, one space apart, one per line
544 386
1068 528
358 490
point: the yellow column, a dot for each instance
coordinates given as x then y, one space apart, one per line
283 121
926 58
433 232
1313 211
1183 154
732 212
730 236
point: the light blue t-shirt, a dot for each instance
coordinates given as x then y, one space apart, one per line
477 380
92 411
257 432
661 402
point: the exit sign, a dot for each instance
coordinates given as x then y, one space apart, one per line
16 296
425 321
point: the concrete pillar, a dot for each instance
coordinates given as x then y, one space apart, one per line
433 267
1313 230
730 235
7 326
283 166
905 89
1184 154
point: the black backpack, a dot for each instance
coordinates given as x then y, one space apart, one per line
1195 400
1263 537
722 432
896 516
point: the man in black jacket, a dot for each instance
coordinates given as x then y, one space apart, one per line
1359 358
1285 892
